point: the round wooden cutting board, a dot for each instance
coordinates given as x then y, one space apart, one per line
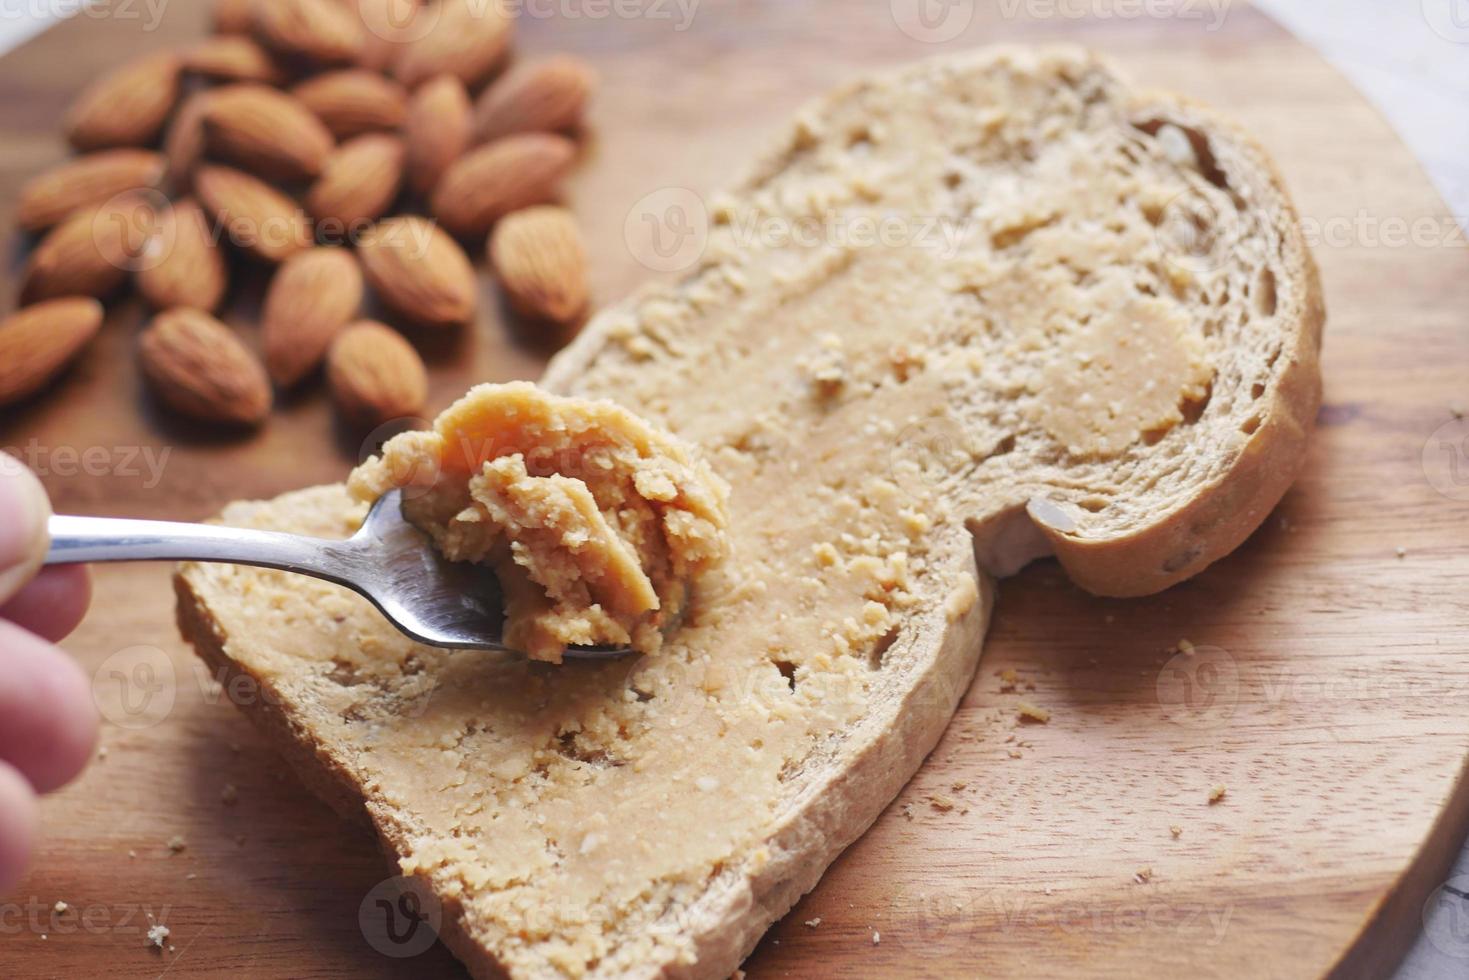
1327 691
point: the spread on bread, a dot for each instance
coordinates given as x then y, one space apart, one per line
595 522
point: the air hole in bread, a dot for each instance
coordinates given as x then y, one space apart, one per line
860 139
879 650
1203 153
1265 297
1256 390
1010 237
569 746
1094 505
787 670
1251 426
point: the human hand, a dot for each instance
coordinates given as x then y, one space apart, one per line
48 724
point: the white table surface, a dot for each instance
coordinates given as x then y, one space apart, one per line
1411 59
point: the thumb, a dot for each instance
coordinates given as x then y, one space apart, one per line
24 510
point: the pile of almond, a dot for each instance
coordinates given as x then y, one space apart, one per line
356 146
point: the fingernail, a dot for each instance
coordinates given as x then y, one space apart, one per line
24 511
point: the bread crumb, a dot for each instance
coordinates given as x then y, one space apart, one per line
813 923
1143 876
43 936
1008 680
1457 411
190 876
958 786
156 936
60 908
908 811
1186 648
229 795
1031 712
132 854
941 802
1015 754
1176 831
1401 551
176 843
101 752
876 937
1217 793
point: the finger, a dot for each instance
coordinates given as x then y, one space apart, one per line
24 509
18 819
48 723
51 604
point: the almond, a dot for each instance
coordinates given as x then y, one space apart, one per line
182 265
267 132
126 107
547 96
85 182
542 265
390 26
91 252
183 144
196 365
232 58
436 130
464 38
323 32
232 16
354 101
419 271
312 296
375 375
509 174
252 215
38 341
359 183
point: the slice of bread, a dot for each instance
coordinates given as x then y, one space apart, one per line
1113 358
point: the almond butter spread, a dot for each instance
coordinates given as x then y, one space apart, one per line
595 522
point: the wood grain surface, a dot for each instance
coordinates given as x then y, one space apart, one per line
1328 690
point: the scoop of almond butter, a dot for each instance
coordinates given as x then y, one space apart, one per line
596 523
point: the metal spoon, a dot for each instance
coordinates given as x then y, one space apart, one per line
393 564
